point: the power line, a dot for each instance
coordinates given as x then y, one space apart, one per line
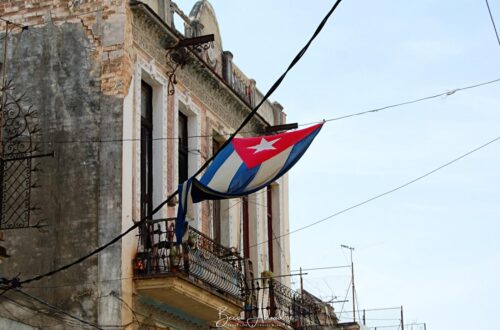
321 268
345 298
16 283
281 250
387 192
377 309
59 310
493 21
448 93
71 15
78 284
13 23
134 313
44 313
357 304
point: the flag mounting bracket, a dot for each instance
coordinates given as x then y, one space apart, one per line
177 56
280 128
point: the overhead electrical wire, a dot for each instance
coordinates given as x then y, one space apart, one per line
59 310
15 282
448 93
493 21
357 303
376 309
278 82
79 284
345 298
321 268
43 312
17 303
385 193
25 26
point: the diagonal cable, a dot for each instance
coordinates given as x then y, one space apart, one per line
493 21
385 193
245 121
59 310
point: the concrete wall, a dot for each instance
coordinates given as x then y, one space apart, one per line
72 67
80 64
13 325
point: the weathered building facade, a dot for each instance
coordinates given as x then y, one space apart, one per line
128 114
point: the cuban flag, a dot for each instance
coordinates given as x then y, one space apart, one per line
243 167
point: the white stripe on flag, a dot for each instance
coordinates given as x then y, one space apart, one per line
269 169
184 194
222 178
189 201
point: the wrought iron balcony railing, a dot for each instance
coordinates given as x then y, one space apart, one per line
199 259
291 307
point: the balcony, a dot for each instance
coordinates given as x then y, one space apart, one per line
199 276
287 307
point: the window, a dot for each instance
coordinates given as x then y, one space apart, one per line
216 204
246 228
187 126
270 234
146 150
183 147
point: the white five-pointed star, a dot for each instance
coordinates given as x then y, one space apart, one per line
264 145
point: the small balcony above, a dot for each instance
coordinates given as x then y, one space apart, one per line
199 276
287 308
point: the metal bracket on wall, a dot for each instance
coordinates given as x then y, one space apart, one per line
178 56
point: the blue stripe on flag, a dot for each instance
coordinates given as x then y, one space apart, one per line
184 191
297 151
241 179
243 176
223 155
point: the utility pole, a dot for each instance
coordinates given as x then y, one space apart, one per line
352 283
402 321
301 285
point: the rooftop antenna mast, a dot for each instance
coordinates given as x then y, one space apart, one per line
352 283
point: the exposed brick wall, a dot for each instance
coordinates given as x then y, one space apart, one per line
106 25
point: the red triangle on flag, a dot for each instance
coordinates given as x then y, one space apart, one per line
255 150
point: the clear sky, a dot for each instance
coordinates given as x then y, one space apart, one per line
433 246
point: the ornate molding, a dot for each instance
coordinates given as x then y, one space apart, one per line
195 74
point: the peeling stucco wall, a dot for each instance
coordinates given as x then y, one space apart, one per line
72 66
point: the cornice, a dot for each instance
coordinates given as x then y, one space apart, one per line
160 35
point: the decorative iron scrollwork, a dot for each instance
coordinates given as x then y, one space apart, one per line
17 124
200 259
203 47
178 56
291 306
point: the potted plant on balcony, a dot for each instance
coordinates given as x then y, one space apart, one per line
192 240
267 274
175 258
